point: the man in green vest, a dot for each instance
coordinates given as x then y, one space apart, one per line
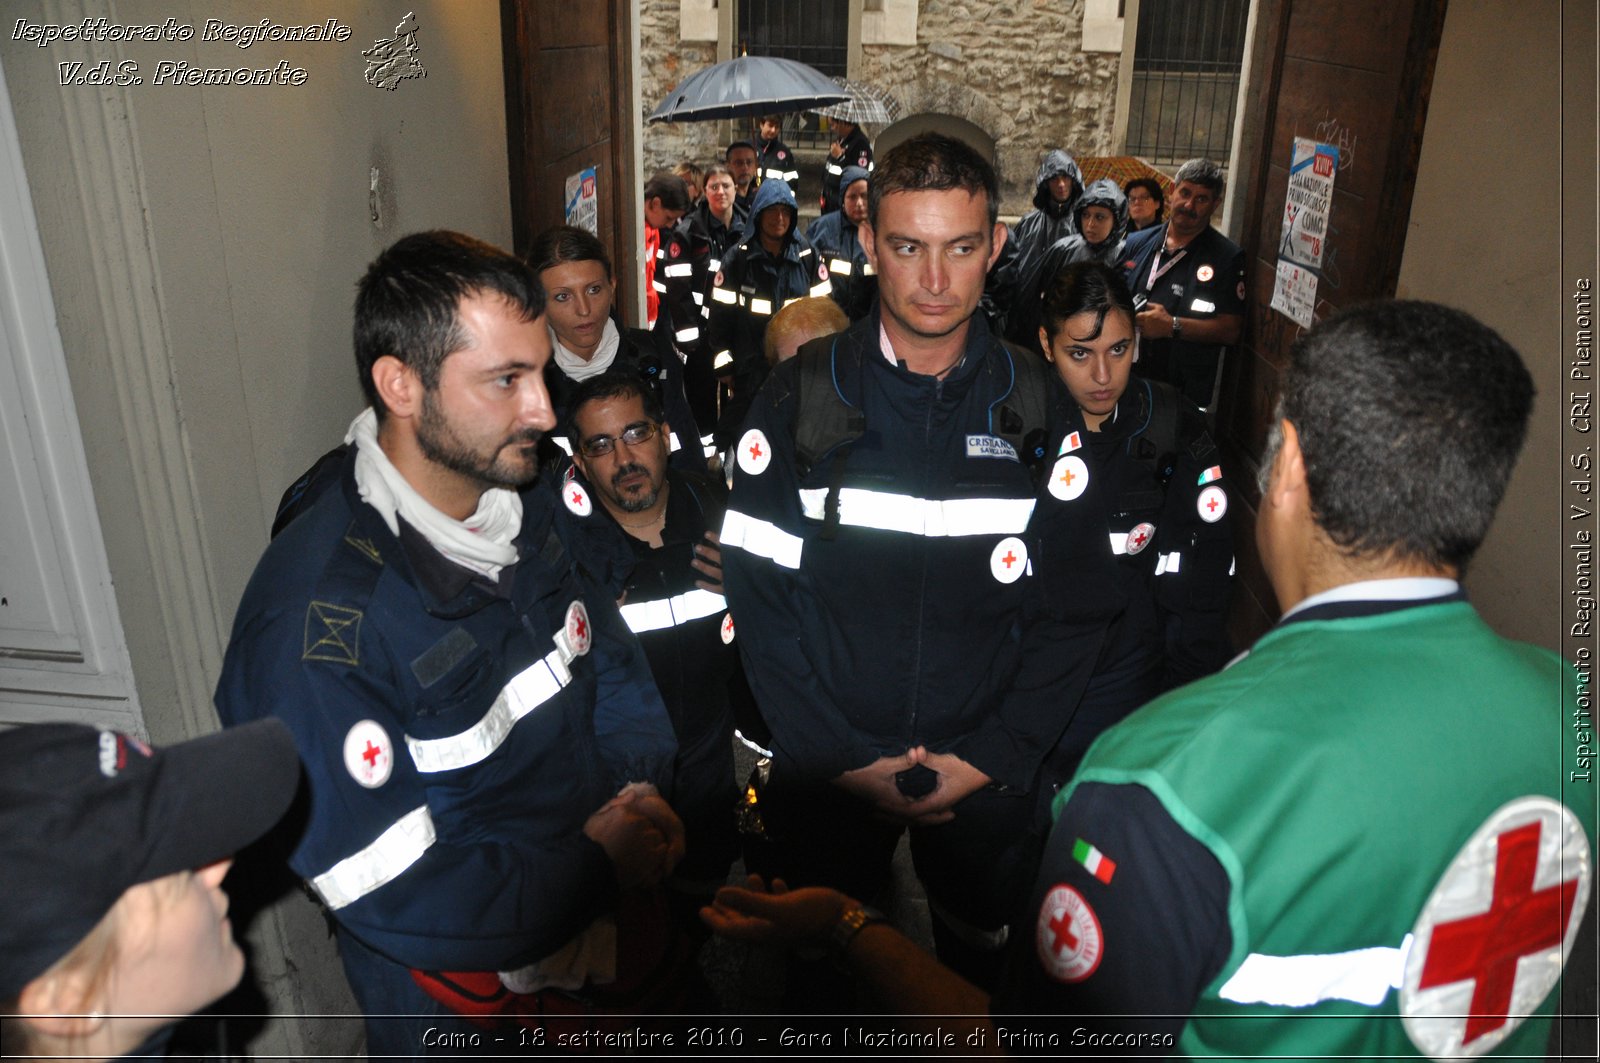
1365 838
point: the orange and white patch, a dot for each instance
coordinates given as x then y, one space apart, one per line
1068 938
1495 933
1069 478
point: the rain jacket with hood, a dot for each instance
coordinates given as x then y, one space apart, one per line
857 152
1022 319
1023 255
752 286
837 239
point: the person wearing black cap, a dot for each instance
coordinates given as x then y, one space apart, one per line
112 856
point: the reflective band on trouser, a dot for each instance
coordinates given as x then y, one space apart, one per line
687 335
722 358
1168 563
381 862
680 269
822 289
761 538
670 612
840 266
933 517
723 295
528 689
1364 976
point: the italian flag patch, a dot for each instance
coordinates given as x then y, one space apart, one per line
1213 473
1094 861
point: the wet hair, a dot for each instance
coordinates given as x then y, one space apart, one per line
933 162
407 302
813 316
1151 185
1081 287
612 384
1410 416
566 243
670 189
1202 172
738 144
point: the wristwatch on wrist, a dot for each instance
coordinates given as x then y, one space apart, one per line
1177 327
849 925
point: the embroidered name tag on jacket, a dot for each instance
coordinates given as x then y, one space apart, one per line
990 447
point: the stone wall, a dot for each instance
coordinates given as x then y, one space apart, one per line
1015 68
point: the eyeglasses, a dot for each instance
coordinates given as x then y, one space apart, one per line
633 435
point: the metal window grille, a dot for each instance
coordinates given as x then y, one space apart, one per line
1186 64
815 32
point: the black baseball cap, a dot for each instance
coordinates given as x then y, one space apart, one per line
86 813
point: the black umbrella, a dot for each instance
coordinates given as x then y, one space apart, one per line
746 86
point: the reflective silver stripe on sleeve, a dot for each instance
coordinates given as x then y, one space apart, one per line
715 264
1364 976
834 169
687 335
1119 542
761 538
840 266
528 689
721 359
760 306
868 270
561 441
931 517
659 286
670 612
680 269
389 855
699 298
822 288
1168 563
792 176
672 442
723 295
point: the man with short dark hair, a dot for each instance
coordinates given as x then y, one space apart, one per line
484 748
1363 839
1193 279
666 519
878 550
744 163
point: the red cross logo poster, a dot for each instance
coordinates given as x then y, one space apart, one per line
1068 937
1495 933
368 754
754 453
577 499
1009 559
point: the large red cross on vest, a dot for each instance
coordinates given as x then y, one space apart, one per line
1487 946
1061 933
371 755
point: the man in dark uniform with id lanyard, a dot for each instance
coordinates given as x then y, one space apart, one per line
1188 280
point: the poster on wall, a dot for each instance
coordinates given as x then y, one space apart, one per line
583 209
1305 229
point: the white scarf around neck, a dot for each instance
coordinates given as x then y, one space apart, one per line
579 368
482 542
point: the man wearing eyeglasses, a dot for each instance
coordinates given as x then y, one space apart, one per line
672 600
